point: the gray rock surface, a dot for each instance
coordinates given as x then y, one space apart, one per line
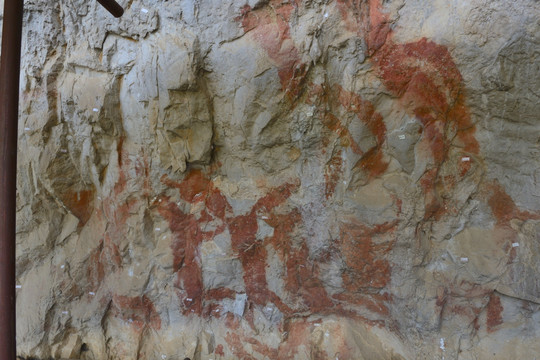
303 179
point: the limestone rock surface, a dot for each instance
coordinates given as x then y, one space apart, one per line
267 179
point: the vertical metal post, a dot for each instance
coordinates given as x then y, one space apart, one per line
113 7
9 116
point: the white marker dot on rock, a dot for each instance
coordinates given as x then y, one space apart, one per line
441 342
65 312
401 137
27 129
326 15
515 244
264 217
163 356
189 299
143 10
92 293
62 266
464 259
18 286
157 229
465 159
95 109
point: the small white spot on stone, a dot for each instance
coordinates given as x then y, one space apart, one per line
264 217
95 109
465 159
18 286
92 293
464 259
65 312
515 244
62 266
441 344
130 272
63 151
326 15
189 299
27 129
143 10
316 324
401 137
157 229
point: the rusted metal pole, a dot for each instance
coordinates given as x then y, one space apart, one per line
9 117
113 7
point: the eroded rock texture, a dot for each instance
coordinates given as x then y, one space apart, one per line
303 179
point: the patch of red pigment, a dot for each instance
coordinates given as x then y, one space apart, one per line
237 344
303 281
367 20
185 248
494 312
219 350
139 311
332 174
372 162
80 203
269 26
333 123
105 258
366 266
196 187
503 206
251 252
430 87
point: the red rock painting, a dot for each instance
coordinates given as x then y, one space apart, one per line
107 258
137 311
269 26
426 85
494 312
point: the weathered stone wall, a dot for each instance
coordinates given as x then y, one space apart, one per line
303 179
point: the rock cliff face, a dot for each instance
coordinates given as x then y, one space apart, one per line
303 179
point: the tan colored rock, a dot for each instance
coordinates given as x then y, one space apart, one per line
279 180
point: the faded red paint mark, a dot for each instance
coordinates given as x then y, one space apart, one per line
372 161
367 19
427 81
494 312
139 311
80 203
269 26
364 259
104 259
503 206
185 250
219 350
187 228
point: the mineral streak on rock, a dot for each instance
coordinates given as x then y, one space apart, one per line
346 179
